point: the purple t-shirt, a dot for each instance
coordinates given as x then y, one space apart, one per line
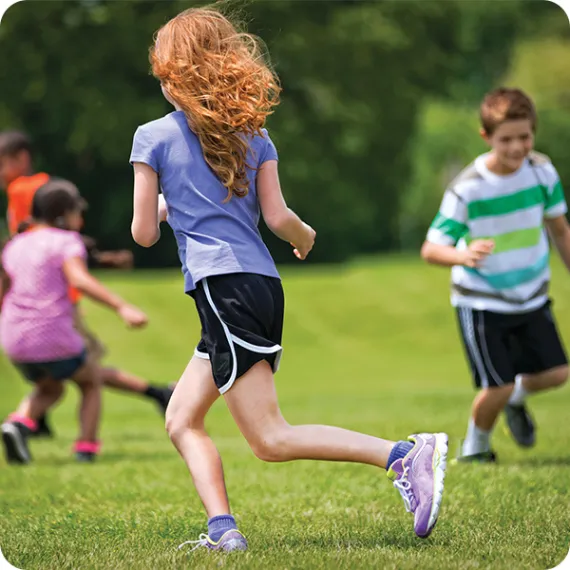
214 238
36 322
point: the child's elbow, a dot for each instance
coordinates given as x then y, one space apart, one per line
427 252
144 237
145 241
76 279
277 221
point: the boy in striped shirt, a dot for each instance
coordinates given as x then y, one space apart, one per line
491 230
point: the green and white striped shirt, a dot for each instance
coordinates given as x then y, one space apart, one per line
510 210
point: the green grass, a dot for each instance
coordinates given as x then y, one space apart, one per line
371 347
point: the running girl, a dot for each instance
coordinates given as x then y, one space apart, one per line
217 167
36 324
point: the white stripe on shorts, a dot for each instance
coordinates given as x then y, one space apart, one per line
261 350
485 350
232 379
466 318
244 344
202 355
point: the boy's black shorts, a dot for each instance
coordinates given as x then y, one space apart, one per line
499 346
242 323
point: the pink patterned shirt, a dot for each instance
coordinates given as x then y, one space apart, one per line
36 322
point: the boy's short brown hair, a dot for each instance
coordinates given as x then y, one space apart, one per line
13 142
506 104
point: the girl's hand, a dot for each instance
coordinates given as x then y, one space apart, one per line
132 316
301 250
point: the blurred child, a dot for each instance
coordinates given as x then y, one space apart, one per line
490 229
17 177
217 167
37 329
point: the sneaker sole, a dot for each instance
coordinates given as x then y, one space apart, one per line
440 465
14 445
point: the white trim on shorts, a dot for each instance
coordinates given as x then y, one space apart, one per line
231 338
261 350
485 352
202 355
466 318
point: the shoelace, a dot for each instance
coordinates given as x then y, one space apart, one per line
405 488
202 541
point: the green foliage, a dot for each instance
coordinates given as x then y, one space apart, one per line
447 140
355 75
541 68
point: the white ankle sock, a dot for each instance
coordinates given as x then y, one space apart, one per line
476 440
519 392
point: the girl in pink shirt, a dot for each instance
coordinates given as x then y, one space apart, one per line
37 328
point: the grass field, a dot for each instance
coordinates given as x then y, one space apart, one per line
371 347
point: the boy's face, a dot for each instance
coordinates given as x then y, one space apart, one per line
12 167
511 142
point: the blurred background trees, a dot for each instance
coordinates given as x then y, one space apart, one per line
379 106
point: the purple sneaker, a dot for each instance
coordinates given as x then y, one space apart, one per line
230 541
419 479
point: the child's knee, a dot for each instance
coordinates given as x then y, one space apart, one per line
178 421
89 377
50 387
558 376
496 393
173 425
271 446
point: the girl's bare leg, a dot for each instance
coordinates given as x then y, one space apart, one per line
45 395
253 404
89 380
193 397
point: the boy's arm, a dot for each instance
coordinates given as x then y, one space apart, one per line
444 255
448 227
555 209
448 255
118 259
559 231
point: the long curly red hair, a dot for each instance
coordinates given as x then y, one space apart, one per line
221 79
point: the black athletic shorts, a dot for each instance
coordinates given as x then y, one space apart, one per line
499 346
56 369
242 323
